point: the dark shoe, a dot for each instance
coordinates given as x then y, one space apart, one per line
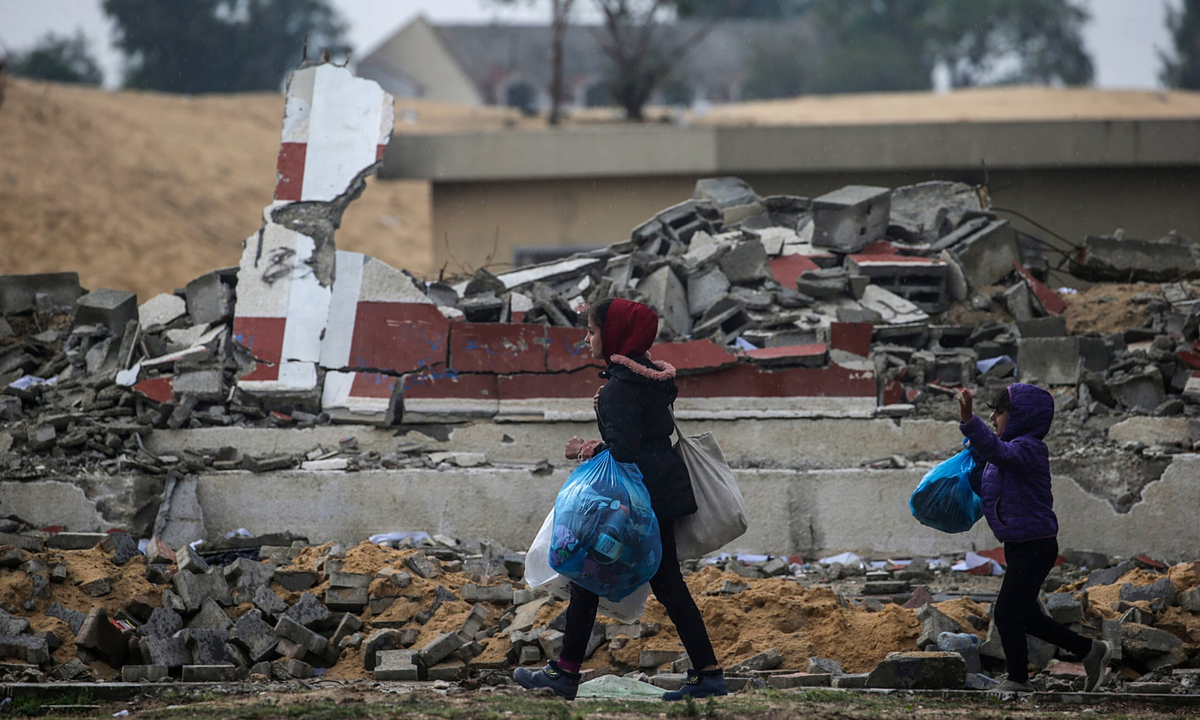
699 686
563 683
1009 687
1096 664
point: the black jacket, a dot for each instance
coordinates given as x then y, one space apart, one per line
636 426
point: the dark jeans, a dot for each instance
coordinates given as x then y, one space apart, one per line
668 587
1017 610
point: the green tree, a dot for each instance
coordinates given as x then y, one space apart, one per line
1181 67
895 45
202 46
61 59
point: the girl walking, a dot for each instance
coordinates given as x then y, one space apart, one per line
633 413
1013 480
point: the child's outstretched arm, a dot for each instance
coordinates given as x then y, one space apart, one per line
986 444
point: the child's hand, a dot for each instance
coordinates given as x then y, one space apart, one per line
573 446
966 404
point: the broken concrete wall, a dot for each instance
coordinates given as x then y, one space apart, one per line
334 131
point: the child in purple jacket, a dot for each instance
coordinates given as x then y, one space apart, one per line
1013 480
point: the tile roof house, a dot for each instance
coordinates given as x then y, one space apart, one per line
510 64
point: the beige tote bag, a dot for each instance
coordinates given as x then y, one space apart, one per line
720 516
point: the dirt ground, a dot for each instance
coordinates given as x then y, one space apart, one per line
145 191
319 700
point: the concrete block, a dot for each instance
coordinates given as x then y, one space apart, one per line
498 594
1141 390
209 300
291 669
705 288
447 671
295 580
824 666
160 310
422 566
73 618
892 309
28 648
207 646
289 629
923 281
395 576
933 623
724 321
767 660
731 195
189 560
1189 601
346 599
396 665
1140 642
169 652
799 679
1043 327
268 602
851 681
663 291
1064 608
206 384
339 579
1018 299
144 673
851 218
379 641
1049 360
254 636
209 673
657 658
97 633
194 588
925 212
309 612
163 622
106 307
986 256
1160 594
210 617
18 292
746 263
438 649
1127 259
10 625
920 671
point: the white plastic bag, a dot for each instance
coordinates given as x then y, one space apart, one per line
538 574
720 516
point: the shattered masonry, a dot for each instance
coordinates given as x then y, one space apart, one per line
772 307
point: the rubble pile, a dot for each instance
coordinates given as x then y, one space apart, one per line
83 607
862 278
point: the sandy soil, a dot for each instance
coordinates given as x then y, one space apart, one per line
146 191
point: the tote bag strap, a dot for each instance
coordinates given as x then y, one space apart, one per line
678 431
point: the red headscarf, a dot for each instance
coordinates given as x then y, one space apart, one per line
629 329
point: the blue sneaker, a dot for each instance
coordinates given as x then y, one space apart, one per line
563 683
699 686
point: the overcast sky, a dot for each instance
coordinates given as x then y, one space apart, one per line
1123 37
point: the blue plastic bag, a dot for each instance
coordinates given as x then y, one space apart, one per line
606 535
944 500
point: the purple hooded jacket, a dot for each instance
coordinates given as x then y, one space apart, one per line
1015 481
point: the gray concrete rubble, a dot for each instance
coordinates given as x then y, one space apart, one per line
321 392
464 614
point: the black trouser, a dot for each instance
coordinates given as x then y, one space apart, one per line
1018 612
668 587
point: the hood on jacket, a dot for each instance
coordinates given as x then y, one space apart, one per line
629 329
1030 412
